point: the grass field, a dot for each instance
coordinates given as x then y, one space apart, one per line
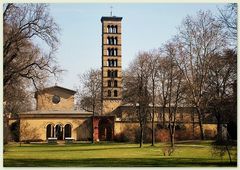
190 154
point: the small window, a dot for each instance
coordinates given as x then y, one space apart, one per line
112 63
115 83
109 83
109 29
109 93
111 52
113 29
109 73
115 93
111 41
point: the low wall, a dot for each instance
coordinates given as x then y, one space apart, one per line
129 132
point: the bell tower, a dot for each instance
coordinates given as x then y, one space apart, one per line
111 63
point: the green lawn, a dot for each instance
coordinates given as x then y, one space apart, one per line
112 155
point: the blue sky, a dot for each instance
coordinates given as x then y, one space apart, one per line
144 27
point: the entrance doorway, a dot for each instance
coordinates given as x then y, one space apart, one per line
105 129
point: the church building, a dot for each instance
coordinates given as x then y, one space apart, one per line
56 117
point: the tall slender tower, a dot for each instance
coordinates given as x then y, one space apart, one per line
111 63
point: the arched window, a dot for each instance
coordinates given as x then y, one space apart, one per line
116 73
113 74
109 73
59 132
67 131
109 93
109 83
115 83
111 40
112 63
116 30
108 29
115 42
116 63
115 93
115 52
113 29
112 52
49 131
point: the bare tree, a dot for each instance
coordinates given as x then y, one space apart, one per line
221 78
228 16
153 66
24 25
18 97
199 37
25 64
89 93
137 80
175 86
27 133
163 85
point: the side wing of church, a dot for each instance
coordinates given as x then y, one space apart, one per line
55 117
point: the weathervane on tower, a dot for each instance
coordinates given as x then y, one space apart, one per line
111 10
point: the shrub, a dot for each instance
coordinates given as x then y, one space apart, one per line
162 135
33 140
121 137
147 136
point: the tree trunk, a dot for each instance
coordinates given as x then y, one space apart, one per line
172 139
153 113
6 129
229 154
153 128
153 131
219 127
141 136
193 125
219 131
93 129
163 116
200 123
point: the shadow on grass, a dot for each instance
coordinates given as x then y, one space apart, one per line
64 149
116 162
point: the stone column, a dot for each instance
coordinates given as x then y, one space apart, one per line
54 132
